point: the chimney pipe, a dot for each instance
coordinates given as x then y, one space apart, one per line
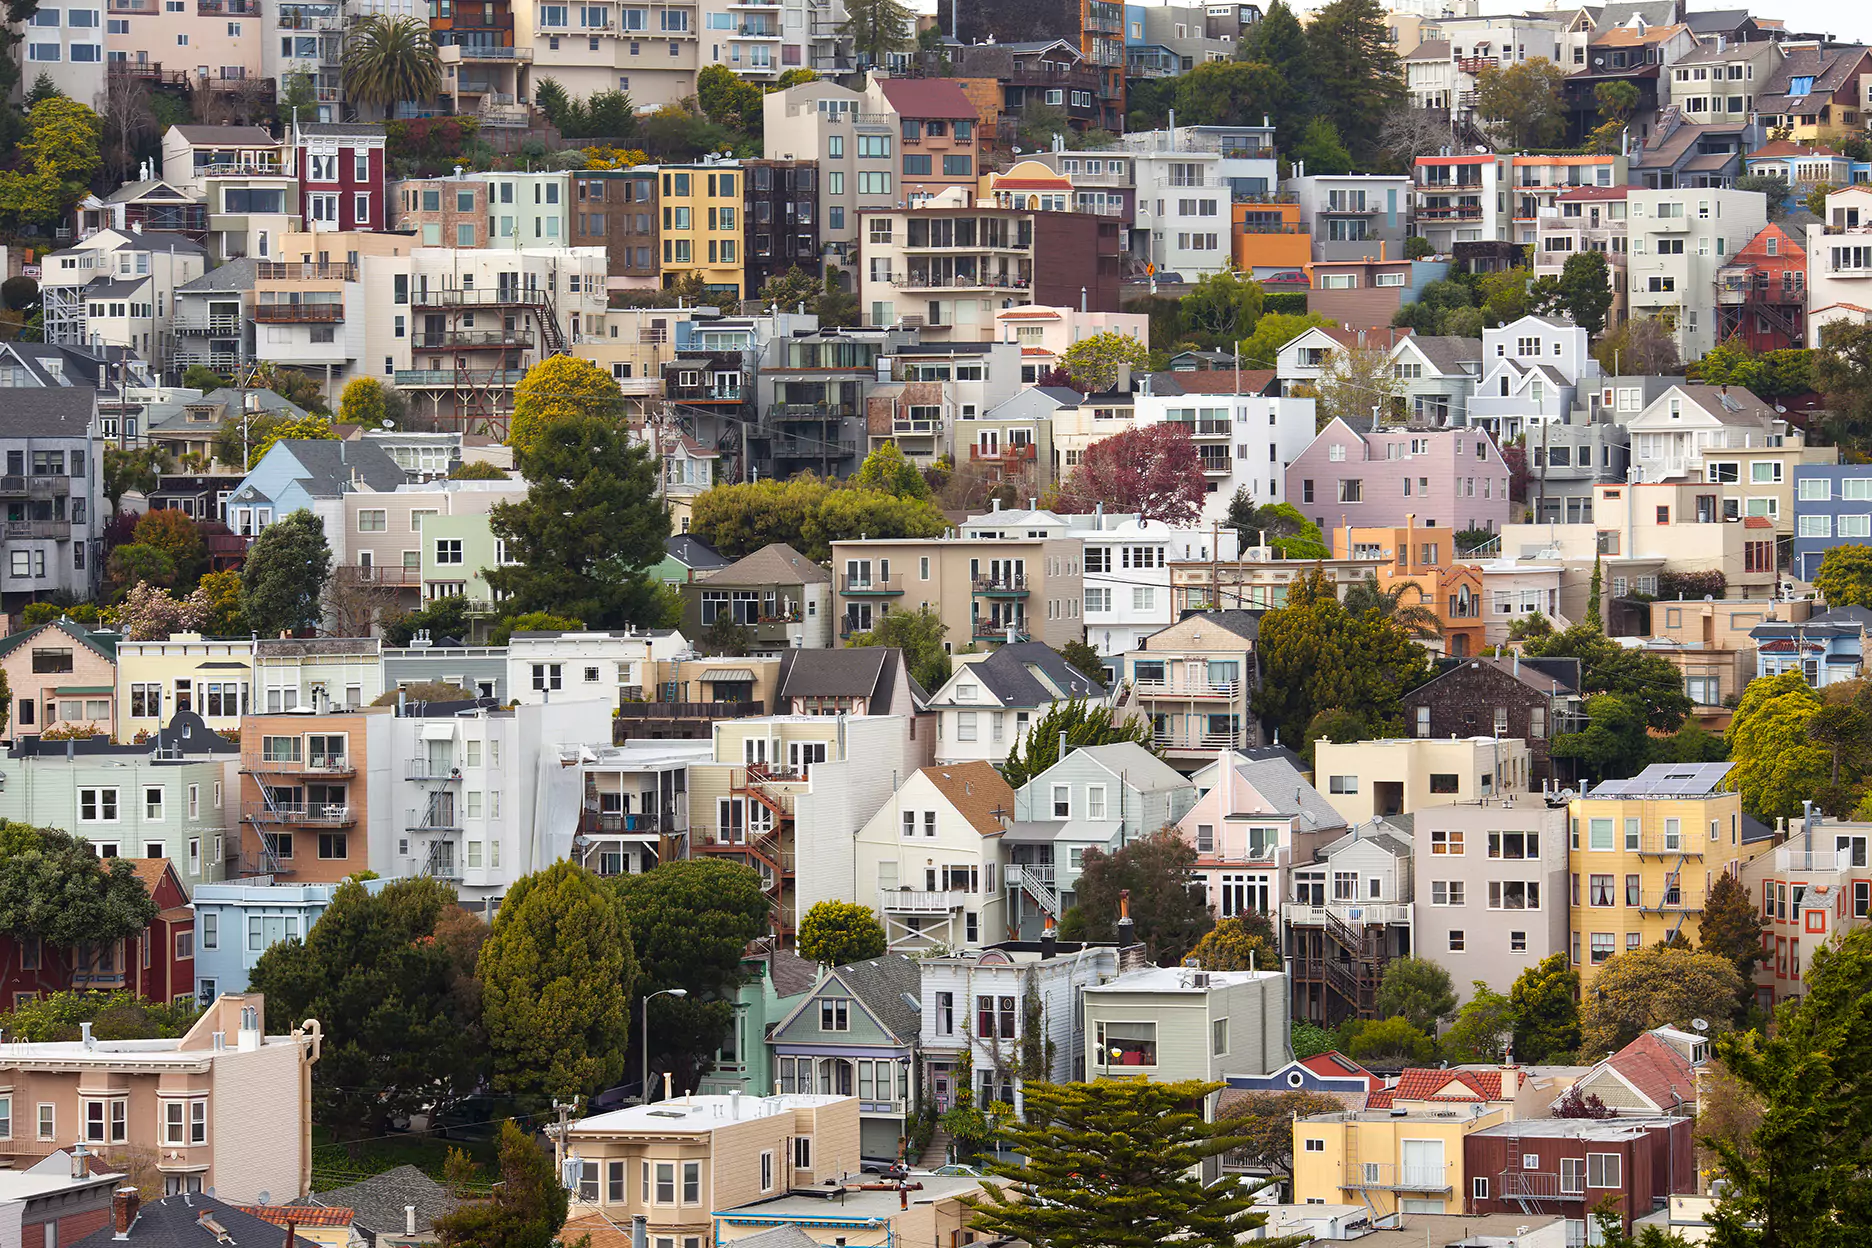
80 1161
123 1211
409 1219
292 1233
1049 941
1125 926
667 1094
640 1231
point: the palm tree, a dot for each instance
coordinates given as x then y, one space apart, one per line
1413 617
388 60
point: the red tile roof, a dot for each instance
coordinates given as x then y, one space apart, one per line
1757 522
1788 147
1660 1073
927 97
1448 1085
300 1215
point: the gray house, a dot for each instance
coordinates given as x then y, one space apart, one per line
856 1034
52 493
1436 376
1098 797
481 669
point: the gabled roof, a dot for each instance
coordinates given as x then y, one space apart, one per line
298 1215
789 973
103 644
1447 352
1223 379
328 466
1652 1069
1139 768
1788 147
1282 785
977 791
1009 674
773 564
1461 1086
191 1221
692 552
237 136
377 1203
927 97
851 672
881 986
1243 624
1372 834
1829 68
236 274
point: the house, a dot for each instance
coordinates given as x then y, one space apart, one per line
1339 942
62 675
1437 376
773 983
1672 272
213 321
1579 1163
58 1199
610 665
990 1001
1460 199
396 1207
687 696
1656 1074
1330 1074
1586 218
1532 370
634 807
1825 649
1395 1158
115 289
855 680
1813 885
856 1034
939 131
1245 434
316 673
341 175
942 1212
55 478
1489 883
237 921
986 708
1506 697
1194 681
939 392
183 1218
1832 507
1128 560
934 851
481 670
1817 87
1255 817
781 599
1402 775
1354 216
161 961
224 1106
1097 797
326 1227
310 475
1452 478
686 558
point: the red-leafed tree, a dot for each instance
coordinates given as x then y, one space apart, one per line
1152 470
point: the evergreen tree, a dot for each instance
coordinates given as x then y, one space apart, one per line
1118 1164
1279 41
1084 659
285 574
838 933
1732 928
1545 1009
877 27
528 1205
1168 918
1483 1027
1586 291
1320 150
1417 990
1356 69
1083 723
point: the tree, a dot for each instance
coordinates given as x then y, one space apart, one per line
389 61
1732 927
1354 70
1576 1104
1310 1040
1844 578
1168 918
1612 668
1147 1187
1237 944
727 99
1522 102
784 291
131 470
56 162
1280 525
366 401
1773 187
1408 132
1152 470
690 923
1544 999
1388 1042
285 574
178 537
215 609
1275 330
919 634
1800 1179
1228 93
1643 346
1402 603
1585 289
528 1204
1084 659
1265 1121
1776 760
551 99
1483 1029
838 933
397 1039
1842 371
1320 149
1093 362
149 613
806 514
1083 724
1359 386
557 387
1315 656
1615 742
1280 42
1658 986
885 469
1418 990
877 28
116 1015
53 886
556 976
589 526
727 639
426 691
1223 308
533 622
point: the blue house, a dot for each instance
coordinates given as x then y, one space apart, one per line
311 475
856 1034
1832 507
1332 1073
236 923
1825 649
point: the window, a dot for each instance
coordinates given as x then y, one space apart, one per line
97 805
665 1182
692 1182
802 1152
1458 941
1342 784
1062 801
1514 895
1603 947
1219 1037
1447 841
1604 1170
834 1015
48 1122
211 931
766 1172
1446 892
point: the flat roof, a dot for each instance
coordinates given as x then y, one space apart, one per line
1177 979
699 1113
853 1203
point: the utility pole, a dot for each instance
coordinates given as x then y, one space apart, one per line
564 1110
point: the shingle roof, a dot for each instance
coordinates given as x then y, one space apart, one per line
378 1202
363 128
46 411
236 274
692 552
789 973
1447 352
330 464
104 644
183 1222
1660 1073
1288 791
1244 624
852 672
1008 673
1141 769
1788 147
927 97
1539 681
881 984
773 564
977 791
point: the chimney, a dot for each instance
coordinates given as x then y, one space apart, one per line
123 1210
1124 379
84 1032
1125 927
640 1231
292 1232
80 1161
667 1094
1049 941
409 1220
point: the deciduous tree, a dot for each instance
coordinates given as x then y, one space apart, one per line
1483 1029
1093 362
127 470
1082 723
1168 918
1320 150
1228 93
179 538
1357 385
886 470
1223 308
1240 943
1315 656
1152 470
1777 762
1658 986
919 634
1265 1122
1522 103
1844 577
1388 1042
1642 346
555 388
1275 330
1545 1001
367 402
838 933
1418 990
285 574
1290 534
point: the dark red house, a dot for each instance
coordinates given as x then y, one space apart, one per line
1761 294
158 964
1569 1165
341 175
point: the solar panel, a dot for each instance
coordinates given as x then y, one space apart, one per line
1668 780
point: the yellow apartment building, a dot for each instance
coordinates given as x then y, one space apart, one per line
1644 853
701 206
1409 1162
212 677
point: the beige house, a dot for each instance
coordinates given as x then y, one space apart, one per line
62 675
1364 780
225 1107
934 852
1194 681
211 676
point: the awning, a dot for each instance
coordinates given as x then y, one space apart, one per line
86 689
237 667
729 673
438 732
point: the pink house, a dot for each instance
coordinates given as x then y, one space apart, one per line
1429 478
341 175
62 675
1254 818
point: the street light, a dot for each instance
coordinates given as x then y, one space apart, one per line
667 992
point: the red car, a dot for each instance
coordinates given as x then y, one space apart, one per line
1288 279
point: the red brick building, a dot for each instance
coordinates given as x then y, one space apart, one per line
1761 294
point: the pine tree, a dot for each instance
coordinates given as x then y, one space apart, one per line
285 574
1356 68
1083 724
1732 927
528 1206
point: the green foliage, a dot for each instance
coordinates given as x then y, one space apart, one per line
1615 742
1093 361
1769 375
1584 291
556 976
1241 943
1223 308
55 887
727 99
1273 331
1084 659
838 933
1265 1120
1773 186
1731 927
1150 1141
285 574
877 28
1228 93
1611 668
1403 603
527 1208
690 923
588 528
1156 868
885 469
439 617
678 133
426 146
19 294
1417 247
1771 741
54 163
727 639
919 634
1315 655
389 60
1354 72
1280 42
533 622
1419 990
1483 1028
179 539
1083 723
201 377
558 387
113 1016
401 1024
1523 102
806 514
1545 1001
366 401
1310 1040
476 470
1320 149
1658 986
1387 1042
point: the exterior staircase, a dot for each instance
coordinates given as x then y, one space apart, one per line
937 1154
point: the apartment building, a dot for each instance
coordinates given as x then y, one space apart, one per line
58 669
237 922
1460 199
953 393
544 667
1813 885
937 134
651 51
854 139
1678 242
634 806
615 209
1405 1156
1475 600
1445 479
1586 218
1718 79
211 46
985 708
1368 780
1645 852
225 1106
1439 376
1194 681
341 176
1102 184
1489 879
1839 261
1537 182
1051 72
701 225
1255 818
1186 180
304 786
1816 87
1533 369
934 852
1355 216
1246 434
1761 295
52 491
115 289
1722 436
527 209
441 212
1578 1165
1013 575
781 219
1340 942
1128 565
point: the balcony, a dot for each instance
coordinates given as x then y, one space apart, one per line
459 378
35 487
431 819
1225 691
377 574
498 297
1351 913
1205 428
471 339
921 901
427 769
305 271
903 426
594 822
961 281
811 411
1476 64
456 53
1392 1177
867 586
317 815
209 326
1197 740
299 313
1001 585
1540 1185
1661 844
748 31
315 765
1464 212
997 630
1016 453
1348 208
227 8
1788 858
1678 224
1217 465
1680 900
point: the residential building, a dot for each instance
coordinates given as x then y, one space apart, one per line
946 393
1176 38
1832 507
1096 26
64 42
653 53
213 319
1187 179
149 203
1813 885
1712 643
1639 53
706 1153
981 1000
1645 853
1579 1163
237 922
687 696
1761 295
442 211
811 398
1128 564
1655 1075
1194 682
305 785
1678 244
1682 155
210 677
1719 78
701 227
987 706
184 1217
190 1102
1505 862
616 209
1302 358
849 680
779 597
1457 479
943 1211
1355 216
1255 818
1837 266
634 804
855 1033
1338 944
774 981
937 129
55 484
482 670
1817 87
1589 445
1408 1155
1437 376
854 143
1725 437
1097 797
1332 1073
115 289
1530 701
934 851
1539 181
341 175
1826 649
1368 780
59 1199
56 669
1460 199
389 1209
1257 582
1050 72
782 219
544 667
1246 433
1586 218
1532 370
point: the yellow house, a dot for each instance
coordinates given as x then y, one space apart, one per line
701 206
212 677
1391 1162
1644 853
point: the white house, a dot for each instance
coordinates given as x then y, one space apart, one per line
933 852
986 707
1532 370
1245 432
1669 437
547 666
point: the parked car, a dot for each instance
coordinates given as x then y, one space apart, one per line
1287 280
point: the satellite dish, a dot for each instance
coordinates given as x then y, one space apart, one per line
1599 61
1699 1024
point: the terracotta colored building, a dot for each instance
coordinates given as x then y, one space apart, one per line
301 791
60 673
1761 294
157 964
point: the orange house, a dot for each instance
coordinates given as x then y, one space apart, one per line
1270 238
1426 558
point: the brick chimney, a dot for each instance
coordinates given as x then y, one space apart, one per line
123 1211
